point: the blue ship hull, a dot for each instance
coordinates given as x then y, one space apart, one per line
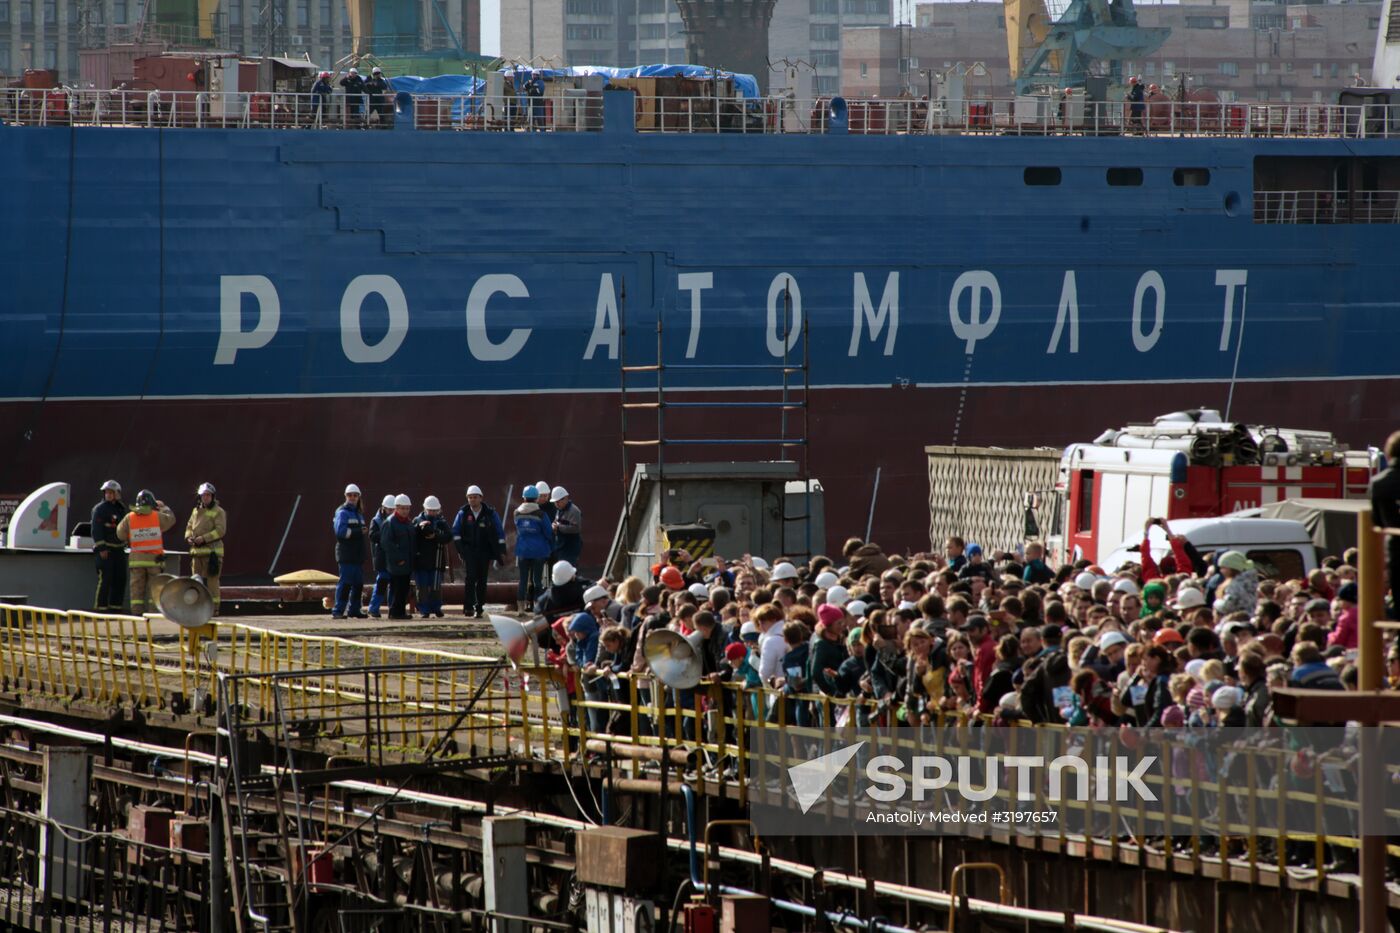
281 312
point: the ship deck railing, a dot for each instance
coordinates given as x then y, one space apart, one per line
583 112
1326 207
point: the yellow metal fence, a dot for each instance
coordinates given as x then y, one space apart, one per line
110 660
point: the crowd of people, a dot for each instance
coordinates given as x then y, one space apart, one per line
1187 640
1191 641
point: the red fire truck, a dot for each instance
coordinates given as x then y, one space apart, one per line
1193 464
1086 500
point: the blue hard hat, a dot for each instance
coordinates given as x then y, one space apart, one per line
530 492
973 550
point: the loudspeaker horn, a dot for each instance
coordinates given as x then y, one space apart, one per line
674 658
517 636
186 602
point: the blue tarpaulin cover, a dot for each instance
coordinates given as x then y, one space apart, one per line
453 85
465 87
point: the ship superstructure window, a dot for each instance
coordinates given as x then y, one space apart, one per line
1042 175
1191 177
1125 177
1326 190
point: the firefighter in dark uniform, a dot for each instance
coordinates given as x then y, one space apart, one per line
480 539
108 549
1385 512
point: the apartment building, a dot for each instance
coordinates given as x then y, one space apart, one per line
49 33
806 33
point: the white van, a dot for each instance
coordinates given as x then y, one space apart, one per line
1281 549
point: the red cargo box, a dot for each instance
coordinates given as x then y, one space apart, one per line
190 835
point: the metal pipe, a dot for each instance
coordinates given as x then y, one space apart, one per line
1371 671
676 756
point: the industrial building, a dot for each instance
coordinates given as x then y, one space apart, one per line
804 36
1245 51
49 33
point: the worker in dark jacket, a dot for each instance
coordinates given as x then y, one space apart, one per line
1385 512
354 92
378 90
376 555
320 94
568 526
480 539
396 536
565 594
431 535
349 525
108 551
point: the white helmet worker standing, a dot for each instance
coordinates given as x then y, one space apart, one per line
480 539
380 594
109 549
350 547
204 535
431 538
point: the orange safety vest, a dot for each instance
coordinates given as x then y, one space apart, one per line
144 533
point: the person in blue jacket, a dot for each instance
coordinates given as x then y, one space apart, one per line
349 525
397 538
534 542
431 534
380 592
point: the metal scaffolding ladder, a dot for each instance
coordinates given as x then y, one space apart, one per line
790 435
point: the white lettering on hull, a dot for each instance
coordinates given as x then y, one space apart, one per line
352 339
1150 281
975 327
973 319
478 341
232 336
886 319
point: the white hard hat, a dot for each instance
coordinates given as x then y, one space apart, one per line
402 499
826 580
698 591
1124 585
474 491
542 487
206 487
388 503
432 503
1109 639
784 571
562 573
354 71
352 488
759 563
595 592
376 70
1188 597
1085 581
559 493
112 485
856 608
838 595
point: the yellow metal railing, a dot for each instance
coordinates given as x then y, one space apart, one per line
109 660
